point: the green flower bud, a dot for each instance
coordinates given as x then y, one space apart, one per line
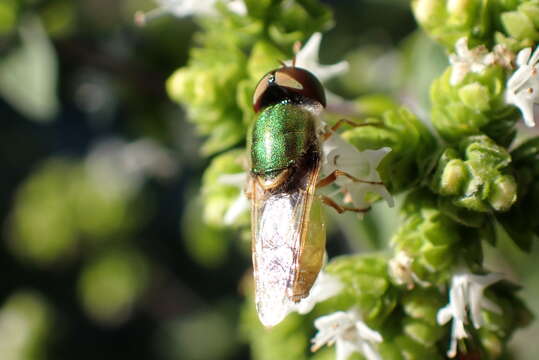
412 146
428 237
476 177
498 326
519 25
205 89
422 332
423 304
366 285
218 196
447 21
491 344
473 106
403 347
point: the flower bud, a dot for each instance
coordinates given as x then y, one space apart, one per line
519 25
472 106
476 177
365 285
428 237
449 20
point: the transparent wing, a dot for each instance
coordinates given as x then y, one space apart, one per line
280 227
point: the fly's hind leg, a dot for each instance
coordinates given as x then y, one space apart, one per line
331 178
340 208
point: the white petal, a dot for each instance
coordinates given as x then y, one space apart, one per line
325 287
343 349
369 352
237 208
535 57
444 315
523 56
308 58
367 333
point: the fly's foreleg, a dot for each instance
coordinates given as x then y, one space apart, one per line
341 122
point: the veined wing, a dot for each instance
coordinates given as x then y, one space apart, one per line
288 244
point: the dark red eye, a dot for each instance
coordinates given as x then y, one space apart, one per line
288 83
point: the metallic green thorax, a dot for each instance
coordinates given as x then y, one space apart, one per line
281 134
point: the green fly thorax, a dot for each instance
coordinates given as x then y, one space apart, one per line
283 135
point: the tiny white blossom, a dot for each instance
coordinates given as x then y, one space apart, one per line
307 58
476 60
466 296
326 286
349 334
183 8
241 204
523 85
400 268
338 154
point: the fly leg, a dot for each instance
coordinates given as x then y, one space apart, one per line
340 208
340 123
331 178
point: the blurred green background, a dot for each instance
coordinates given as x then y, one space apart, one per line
104 253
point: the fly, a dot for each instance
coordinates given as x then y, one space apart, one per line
288 230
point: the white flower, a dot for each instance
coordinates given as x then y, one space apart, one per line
338 154
400 268
466 295
183 8
307 58
523 85
477 59
241 204
349 334
326 286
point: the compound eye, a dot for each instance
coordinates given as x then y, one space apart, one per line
301 82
